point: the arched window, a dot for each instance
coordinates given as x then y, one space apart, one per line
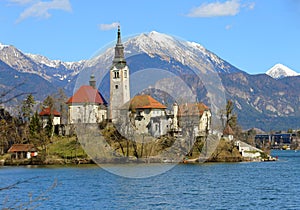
116 74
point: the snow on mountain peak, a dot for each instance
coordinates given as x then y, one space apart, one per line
161 38
166 46
2 46
40 59
280 71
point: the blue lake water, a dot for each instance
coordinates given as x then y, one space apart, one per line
264 185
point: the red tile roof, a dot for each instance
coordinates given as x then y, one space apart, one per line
192 109
145 102
228 130
46 112
22 148
87 94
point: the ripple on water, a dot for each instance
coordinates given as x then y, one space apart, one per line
273 185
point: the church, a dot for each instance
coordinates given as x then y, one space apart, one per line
87 105
146 115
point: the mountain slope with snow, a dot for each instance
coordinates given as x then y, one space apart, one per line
260 101
153 44
280 71
167 47
54 71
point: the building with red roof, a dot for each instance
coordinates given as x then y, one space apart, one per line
228 132
20 151
87 105
46 113
194 115
149 115
142 102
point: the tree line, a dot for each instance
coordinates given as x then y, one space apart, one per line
26 127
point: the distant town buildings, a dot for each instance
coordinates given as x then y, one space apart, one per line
276 140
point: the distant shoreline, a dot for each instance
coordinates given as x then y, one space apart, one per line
86 162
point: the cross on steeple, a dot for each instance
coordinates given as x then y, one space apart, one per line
119 35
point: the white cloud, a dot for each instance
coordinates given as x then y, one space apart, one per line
228 8
40 9
250 5
21 2
106 27
228 27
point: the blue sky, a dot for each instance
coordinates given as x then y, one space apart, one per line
253 35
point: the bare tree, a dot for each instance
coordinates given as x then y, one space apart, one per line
5 96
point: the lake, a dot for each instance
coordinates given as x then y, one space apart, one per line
256 185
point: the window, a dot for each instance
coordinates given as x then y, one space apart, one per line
125 73
116 86
116 74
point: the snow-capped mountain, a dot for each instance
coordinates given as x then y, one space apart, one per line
2 46
280 71
185 52
42 60
260 100
153 44
167 47
54 71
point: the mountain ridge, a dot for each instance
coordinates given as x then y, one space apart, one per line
260 100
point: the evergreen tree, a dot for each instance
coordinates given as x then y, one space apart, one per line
35 125
49 129
27 108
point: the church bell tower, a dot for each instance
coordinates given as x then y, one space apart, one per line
119 80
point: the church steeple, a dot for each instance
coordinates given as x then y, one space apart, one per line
119 80
119 51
